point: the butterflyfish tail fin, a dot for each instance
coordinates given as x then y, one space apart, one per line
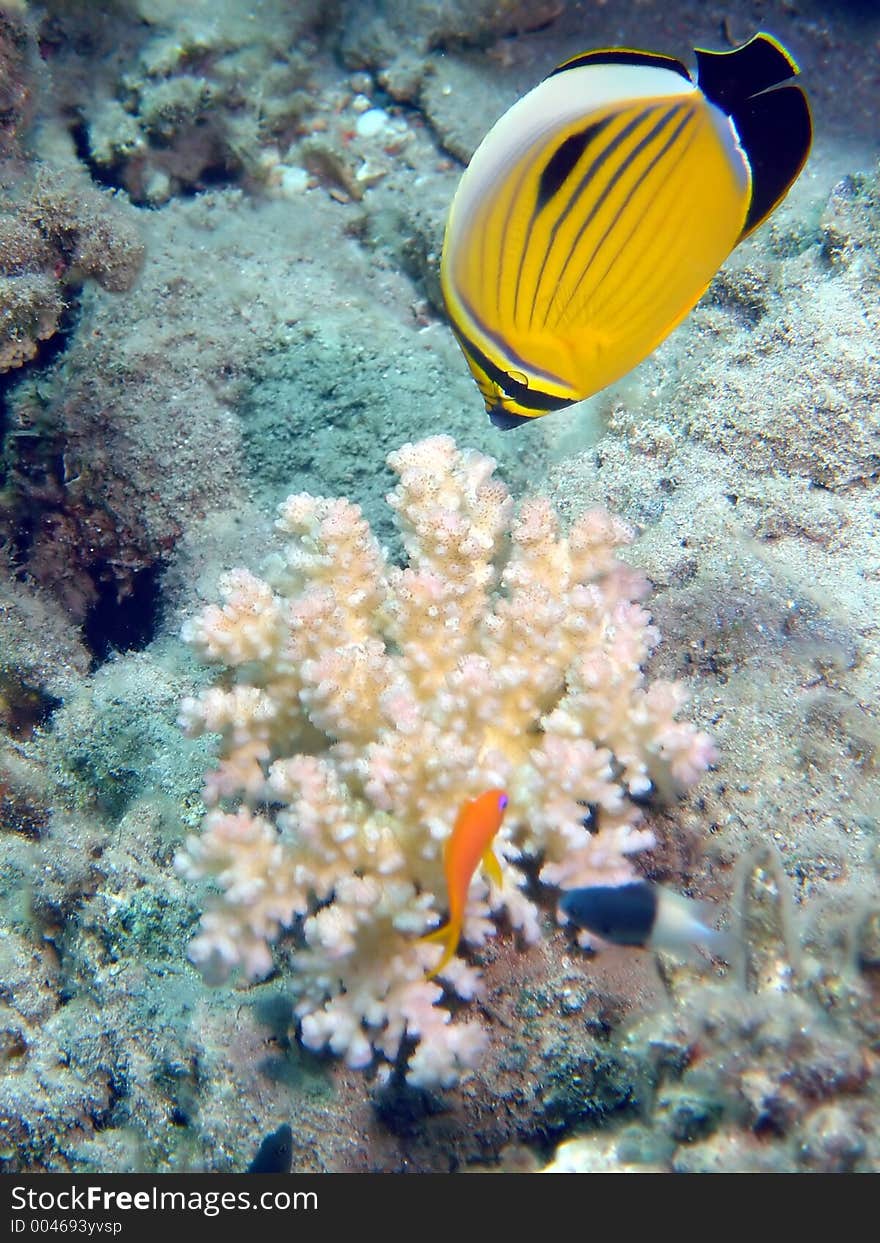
728 78
448 935
772 120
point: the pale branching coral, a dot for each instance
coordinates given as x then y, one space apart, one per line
364 702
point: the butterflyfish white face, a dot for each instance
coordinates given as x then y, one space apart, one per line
596 211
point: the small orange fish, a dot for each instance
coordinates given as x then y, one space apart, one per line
469 844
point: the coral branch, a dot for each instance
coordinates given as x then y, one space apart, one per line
365 702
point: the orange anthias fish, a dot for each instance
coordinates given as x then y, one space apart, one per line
469 844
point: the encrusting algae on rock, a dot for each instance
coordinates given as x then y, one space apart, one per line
362 703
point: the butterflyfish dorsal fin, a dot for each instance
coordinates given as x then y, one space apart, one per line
623 56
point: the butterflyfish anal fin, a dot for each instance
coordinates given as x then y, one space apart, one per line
623 56
772 120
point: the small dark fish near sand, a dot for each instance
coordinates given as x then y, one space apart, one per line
275 1154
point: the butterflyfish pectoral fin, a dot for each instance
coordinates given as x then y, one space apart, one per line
493 868
448 936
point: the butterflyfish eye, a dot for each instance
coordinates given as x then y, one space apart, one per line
596 211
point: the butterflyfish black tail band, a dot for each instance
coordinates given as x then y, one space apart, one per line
772 121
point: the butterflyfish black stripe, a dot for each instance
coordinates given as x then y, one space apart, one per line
596 165
670 142
504 348
615 176
677 224
612 149
486 233
642 145
563 162
556 172
631 323
527 397
644 290
526 172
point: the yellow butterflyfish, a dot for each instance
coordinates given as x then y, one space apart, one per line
596 211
